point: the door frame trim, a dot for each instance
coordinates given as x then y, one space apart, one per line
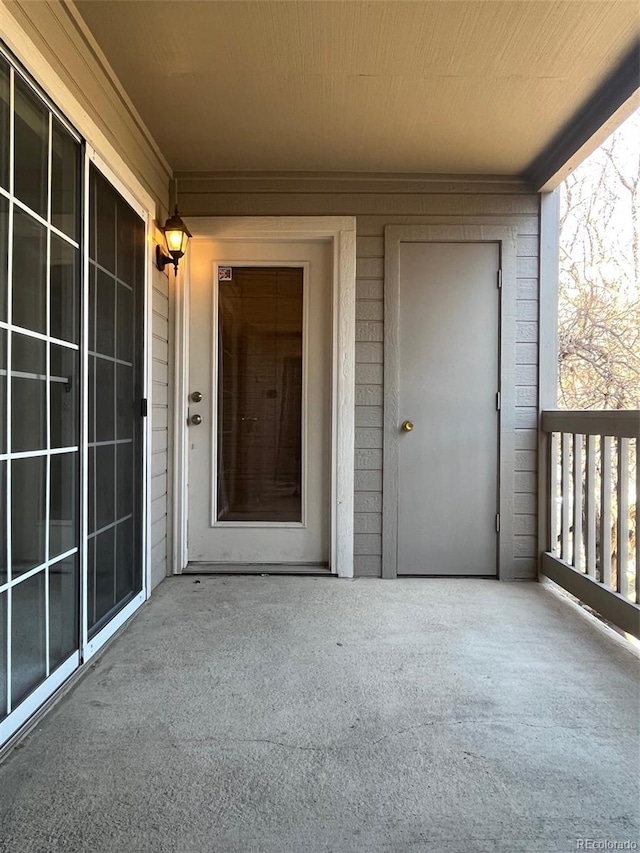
341 232
505 237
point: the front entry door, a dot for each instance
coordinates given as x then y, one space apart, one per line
259 408
449 373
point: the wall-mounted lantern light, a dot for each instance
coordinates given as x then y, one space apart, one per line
176 237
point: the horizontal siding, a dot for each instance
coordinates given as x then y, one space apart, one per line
438 204
160 401
526 376
367 565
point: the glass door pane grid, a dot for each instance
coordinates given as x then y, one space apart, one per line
20 583
32 454
40 219
115 282
38 336
110 273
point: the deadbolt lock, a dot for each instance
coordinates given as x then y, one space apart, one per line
196 420
197 396
407 426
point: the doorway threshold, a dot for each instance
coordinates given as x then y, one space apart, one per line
318 569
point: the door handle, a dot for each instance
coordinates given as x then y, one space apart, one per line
196 420
197 396
407 426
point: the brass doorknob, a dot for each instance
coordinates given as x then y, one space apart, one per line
197 396
407 426
196 420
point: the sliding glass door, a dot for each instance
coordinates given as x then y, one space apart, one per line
40 215
115 400
72 302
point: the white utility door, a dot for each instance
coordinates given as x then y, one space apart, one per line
449 369
260 435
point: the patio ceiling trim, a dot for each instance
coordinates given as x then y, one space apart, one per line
616 98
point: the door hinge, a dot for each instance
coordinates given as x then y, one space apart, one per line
497 522
143 407
499 277
498 401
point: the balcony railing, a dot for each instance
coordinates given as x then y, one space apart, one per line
590 510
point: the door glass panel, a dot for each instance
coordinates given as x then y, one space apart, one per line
29 272
3 655
5 112
28 394
106 574
28 518
105 400
3 390
31 148
116 301
105 482
125 401
105 314
124 478
64 275
4 255
65 183
126 338
64 396
3 522
63 506
260 385
103 204
63 610
28 643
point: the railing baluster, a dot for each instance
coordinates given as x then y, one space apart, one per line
566 490
637 528
590 507
577 501
623 516
605 510
554 485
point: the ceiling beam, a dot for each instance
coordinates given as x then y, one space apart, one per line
614 99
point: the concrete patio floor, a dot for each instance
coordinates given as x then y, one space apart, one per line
311 714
